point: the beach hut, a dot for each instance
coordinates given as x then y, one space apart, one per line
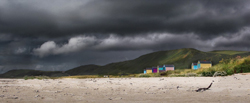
169 67
149 70
145 72
154 69
204 64
194 66
161 68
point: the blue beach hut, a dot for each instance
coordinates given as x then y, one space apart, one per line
194 66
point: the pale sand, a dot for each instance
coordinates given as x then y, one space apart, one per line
231 89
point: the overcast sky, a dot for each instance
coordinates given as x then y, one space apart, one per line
62 34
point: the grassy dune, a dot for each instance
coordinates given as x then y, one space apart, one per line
230 66
225 67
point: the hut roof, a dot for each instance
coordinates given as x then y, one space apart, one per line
205 61
161 66
169 65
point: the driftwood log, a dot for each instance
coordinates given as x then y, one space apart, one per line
204 89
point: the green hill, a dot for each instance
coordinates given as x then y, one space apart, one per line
88 70
181 58
26 72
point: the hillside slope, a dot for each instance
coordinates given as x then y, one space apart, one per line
181 58
26 72
229 52
83 70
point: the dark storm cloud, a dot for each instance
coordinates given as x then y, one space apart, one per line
207 18
238 41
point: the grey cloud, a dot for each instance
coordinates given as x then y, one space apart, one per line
74 44
114 42
237 41
207 18
5 37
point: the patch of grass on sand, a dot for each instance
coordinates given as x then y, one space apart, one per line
144 75
82 76
180 73
36 77
100 76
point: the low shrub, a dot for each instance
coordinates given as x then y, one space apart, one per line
190 75
169 72
208 74
220 73
28 77
243 68
144 75
230 71
42 77
177 75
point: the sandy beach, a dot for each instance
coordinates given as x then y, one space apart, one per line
230 89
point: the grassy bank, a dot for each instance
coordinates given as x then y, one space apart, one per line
224 68
229 66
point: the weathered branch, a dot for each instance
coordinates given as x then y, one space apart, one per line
204 89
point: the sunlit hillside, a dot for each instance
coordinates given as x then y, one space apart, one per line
229 52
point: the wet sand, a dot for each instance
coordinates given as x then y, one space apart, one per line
230 89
